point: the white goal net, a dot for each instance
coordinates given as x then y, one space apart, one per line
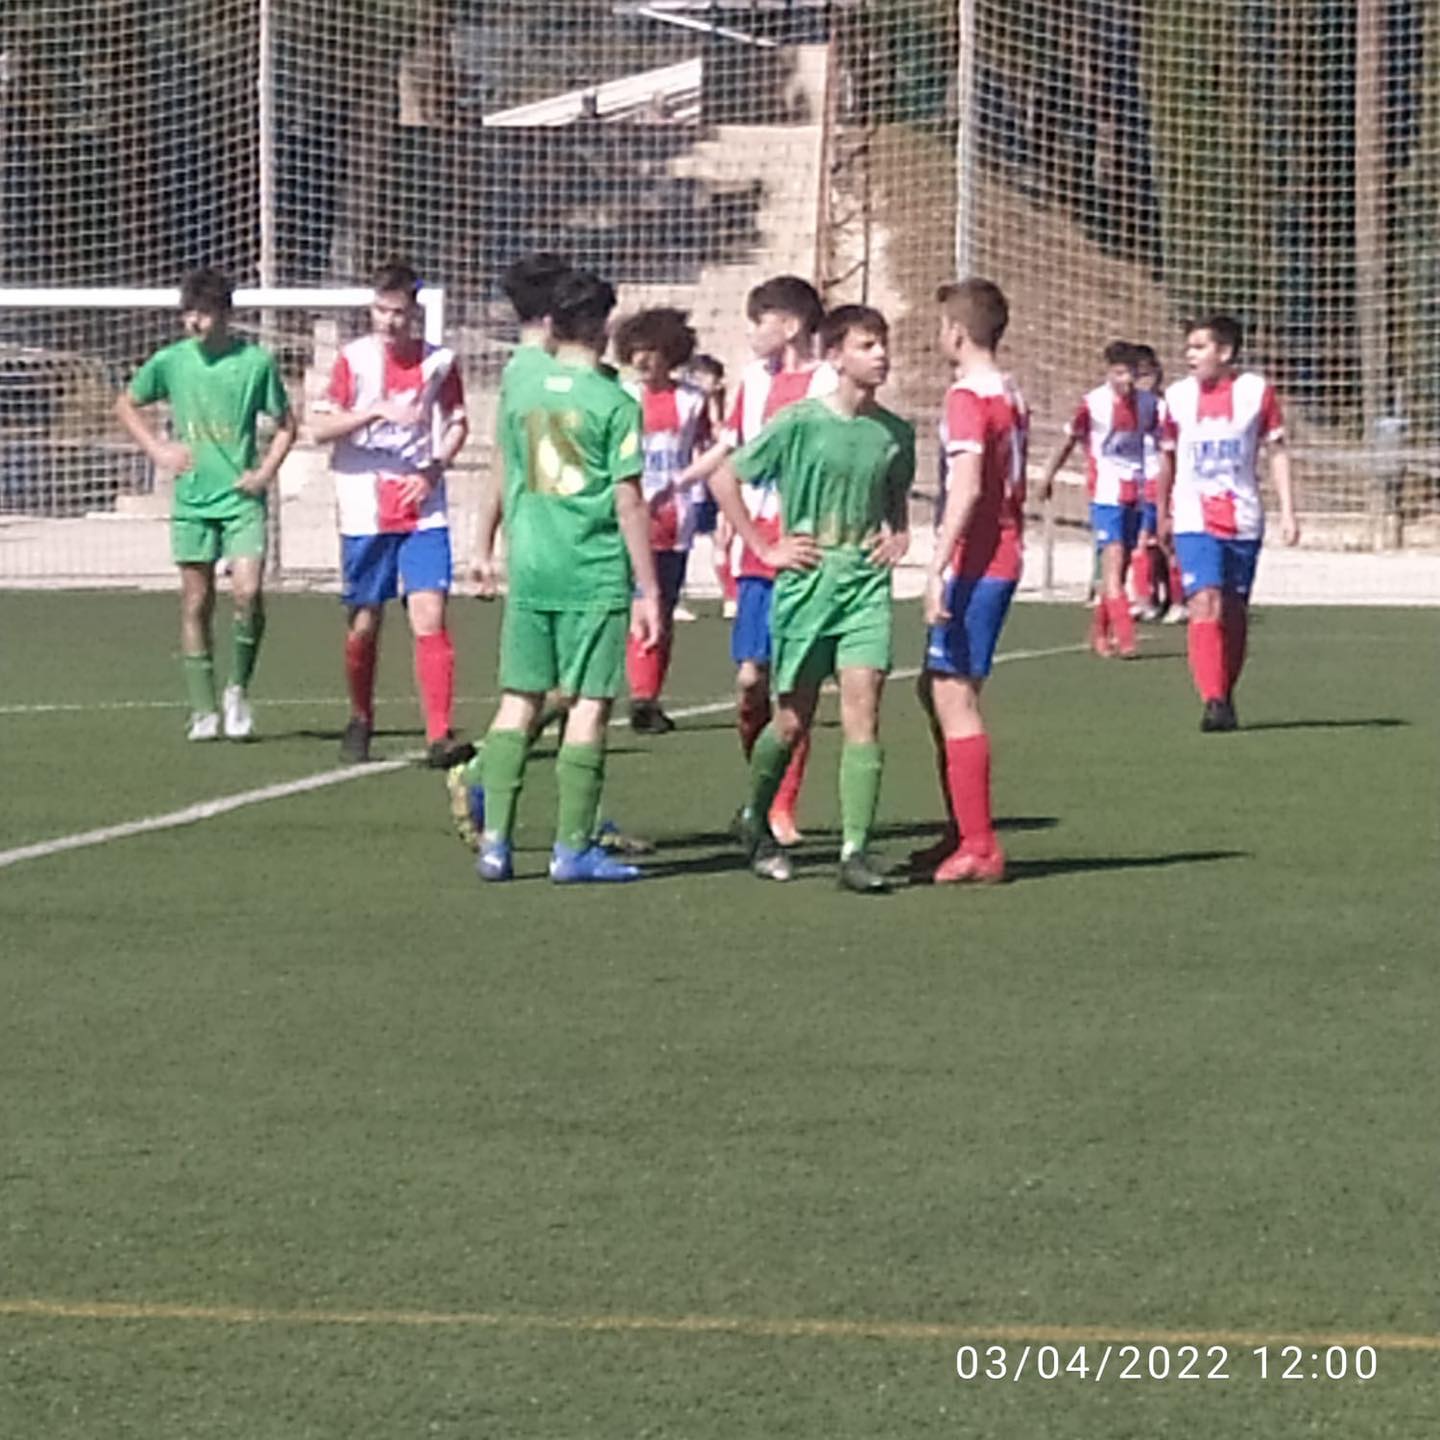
1117 165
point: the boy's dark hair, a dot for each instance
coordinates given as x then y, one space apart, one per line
664 329
1225 329
1121 352
789 295
845 318
580 306
396 277
709 365
979 306
529 283
207 290
1146 358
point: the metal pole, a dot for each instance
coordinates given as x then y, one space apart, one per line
1370 288
965 143
265 90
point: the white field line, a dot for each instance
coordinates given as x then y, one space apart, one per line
284 789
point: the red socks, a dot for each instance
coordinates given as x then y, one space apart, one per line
1100 628
967 773
1206 643
1142 576
1122 624
645 670
788 794
360 675
435 675
1235 625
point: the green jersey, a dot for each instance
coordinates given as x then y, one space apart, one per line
569 434
215 401
839 479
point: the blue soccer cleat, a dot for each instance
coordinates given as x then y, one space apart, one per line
592 866
495 861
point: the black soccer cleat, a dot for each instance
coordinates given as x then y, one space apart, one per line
647 718
355 742
447 752
1218 718
859 873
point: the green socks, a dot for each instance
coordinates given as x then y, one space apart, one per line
860 770
768 763
502 769
246 635
200 682
579 776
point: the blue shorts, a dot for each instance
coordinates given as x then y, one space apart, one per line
750 635
1209 563
1115 525
1150 518
965 644
707 513
376 568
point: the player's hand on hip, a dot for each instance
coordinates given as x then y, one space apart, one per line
792 552
173 456
889 548
936 611
645 620
415 490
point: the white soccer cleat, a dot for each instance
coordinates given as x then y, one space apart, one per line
683 615
239 717
204 725
1176 615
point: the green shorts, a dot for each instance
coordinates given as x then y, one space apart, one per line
196 541
578 652
810 657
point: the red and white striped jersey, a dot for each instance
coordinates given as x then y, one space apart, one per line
764 391
985 415
1216 432
372 464
675 425
1114 429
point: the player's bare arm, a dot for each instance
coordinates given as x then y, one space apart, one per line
335 423
164 454
1164 484
1282 478
487 527
1057 462
634 519
417 488
790 552
961 492
705 465
262 477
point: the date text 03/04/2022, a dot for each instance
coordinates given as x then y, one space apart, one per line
1353 1363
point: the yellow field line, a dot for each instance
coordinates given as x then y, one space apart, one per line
753 1327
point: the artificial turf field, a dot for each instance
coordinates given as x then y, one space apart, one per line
306 1134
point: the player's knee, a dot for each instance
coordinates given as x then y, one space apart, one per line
1204 605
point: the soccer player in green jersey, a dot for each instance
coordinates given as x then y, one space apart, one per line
218 386
577 530
844 466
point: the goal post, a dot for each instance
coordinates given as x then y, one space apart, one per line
78 502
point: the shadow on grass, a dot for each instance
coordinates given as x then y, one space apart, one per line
413 732
1373 722
1088 864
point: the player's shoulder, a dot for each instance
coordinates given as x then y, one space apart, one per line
1251 384
1178 392
1097 399
901 430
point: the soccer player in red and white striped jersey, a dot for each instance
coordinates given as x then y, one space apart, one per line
395 414
1218 421
784 314
973 573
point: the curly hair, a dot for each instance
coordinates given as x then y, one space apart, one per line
665 330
